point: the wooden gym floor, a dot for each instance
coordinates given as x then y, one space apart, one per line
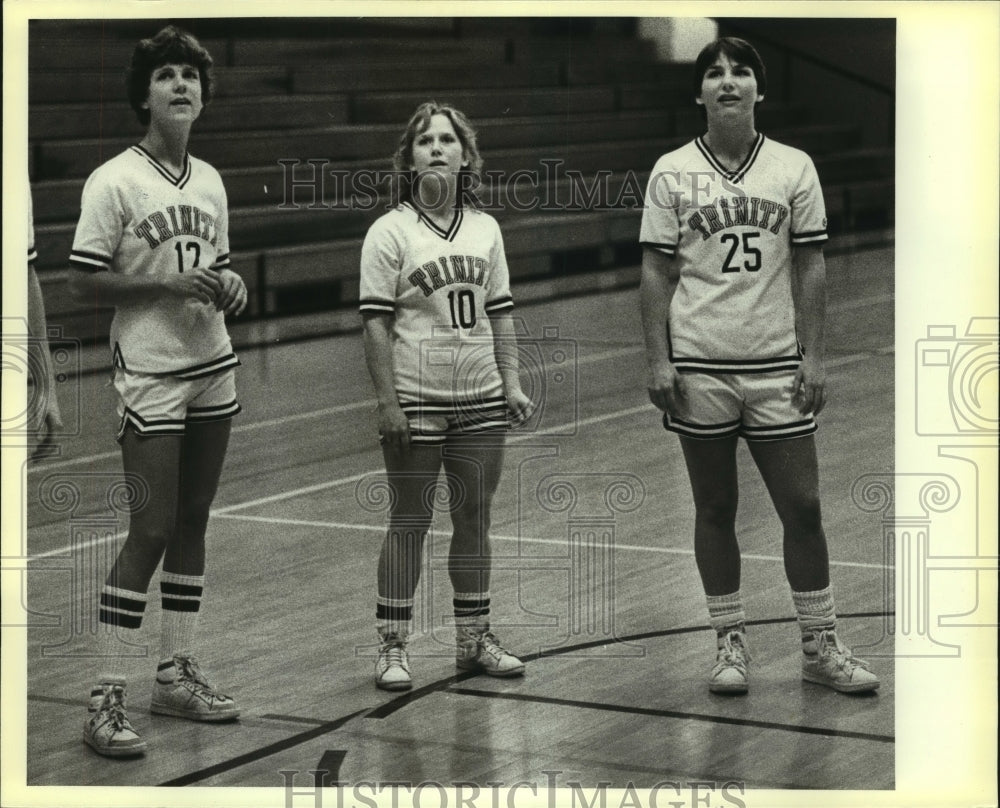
594 585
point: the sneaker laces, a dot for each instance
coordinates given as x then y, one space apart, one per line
393 651
830 646
734 651
189 671
113 707
491 645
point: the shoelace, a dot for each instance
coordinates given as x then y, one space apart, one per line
394 654
491 645
733 651
114 707
840 653
188 671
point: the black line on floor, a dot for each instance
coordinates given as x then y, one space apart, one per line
715 719
263 752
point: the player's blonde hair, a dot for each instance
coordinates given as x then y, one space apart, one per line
469 177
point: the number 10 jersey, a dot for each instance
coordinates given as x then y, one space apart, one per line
732 233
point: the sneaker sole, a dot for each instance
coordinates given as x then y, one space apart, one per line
393 685
498 674
861 687
212 718
116 751
732 690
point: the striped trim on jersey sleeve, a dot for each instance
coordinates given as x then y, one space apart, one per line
374 305
504 303
810 237
88 261
221 262
669 250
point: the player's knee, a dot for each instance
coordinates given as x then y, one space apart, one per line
717 512
803 516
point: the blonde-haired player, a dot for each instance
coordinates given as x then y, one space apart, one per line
153 241
441 351
733 307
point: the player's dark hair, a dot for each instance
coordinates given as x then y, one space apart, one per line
469 177
169 46
739 51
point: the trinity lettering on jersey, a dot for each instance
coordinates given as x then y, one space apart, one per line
448 270
176 220
738 211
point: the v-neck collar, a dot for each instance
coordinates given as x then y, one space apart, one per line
449 233
178 182
732 175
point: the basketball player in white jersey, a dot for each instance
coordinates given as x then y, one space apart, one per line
733 306
152 241
441 350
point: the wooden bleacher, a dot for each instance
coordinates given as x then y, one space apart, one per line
586 93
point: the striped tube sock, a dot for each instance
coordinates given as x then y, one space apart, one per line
120 617
472 609
725 612
816 612
393 616
181 599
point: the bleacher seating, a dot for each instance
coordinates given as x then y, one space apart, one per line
584 93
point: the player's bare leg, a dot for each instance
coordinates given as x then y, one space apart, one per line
473 466
412 478
154 462
711 468
181 689
791 473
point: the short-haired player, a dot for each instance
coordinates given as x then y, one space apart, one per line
153 241
733 297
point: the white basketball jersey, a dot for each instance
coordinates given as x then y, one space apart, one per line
732 233
139 219
441 286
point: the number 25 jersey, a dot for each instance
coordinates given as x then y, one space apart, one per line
732 233
138 219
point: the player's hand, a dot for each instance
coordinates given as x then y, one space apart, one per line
42 435
809 386
201 284
232 299
394 427
666 387
520 406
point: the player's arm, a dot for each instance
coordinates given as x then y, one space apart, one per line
809 296
657 285
47 419
392 423
105 288
505 352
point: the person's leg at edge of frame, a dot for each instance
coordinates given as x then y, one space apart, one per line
181 689
711 465
151 465
791 474
473 466
412 476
